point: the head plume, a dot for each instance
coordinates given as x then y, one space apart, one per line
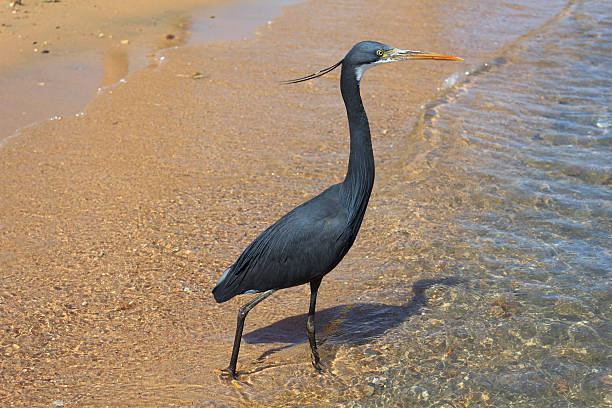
312 76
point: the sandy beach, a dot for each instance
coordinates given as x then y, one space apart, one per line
56 55
116 224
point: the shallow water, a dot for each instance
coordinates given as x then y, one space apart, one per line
524 319
513 308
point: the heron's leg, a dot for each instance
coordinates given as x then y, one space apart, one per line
310 323
242 313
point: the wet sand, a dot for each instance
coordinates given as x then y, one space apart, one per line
55 55
117 224
60 27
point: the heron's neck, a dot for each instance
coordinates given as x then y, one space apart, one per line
360 174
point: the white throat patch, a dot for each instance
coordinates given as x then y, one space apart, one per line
359 70
362 68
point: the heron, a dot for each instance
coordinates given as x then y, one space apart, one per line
309 241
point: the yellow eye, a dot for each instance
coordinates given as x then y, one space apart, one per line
380 53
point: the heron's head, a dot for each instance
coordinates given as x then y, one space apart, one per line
367 54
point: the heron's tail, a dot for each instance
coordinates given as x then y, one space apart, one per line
223 291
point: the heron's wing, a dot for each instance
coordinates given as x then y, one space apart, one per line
300 246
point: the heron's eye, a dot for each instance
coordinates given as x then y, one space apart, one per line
380 53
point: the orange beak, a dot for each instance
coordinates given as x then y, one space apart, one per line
403 55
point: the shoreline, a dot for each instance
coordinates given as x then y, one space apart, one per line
58 55
117 223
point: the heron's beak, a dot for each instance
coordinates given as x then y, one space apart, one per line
403 55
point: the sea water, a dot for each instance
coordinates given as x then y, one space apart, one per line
521 315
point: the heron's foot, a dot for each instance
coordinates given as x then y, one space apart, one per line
226 374
316 361
320 367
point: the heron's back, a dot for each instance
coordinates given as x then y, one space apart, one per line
306 243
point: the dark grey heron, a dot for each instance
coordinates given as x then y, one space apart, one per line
309 241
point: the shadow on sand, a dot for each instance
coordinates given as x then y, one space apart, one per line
354 324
